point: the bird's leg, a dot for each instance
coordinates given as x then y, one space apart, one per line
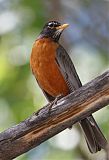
53 103
57 98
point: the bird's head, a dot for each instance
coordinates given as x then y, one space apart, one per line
53 29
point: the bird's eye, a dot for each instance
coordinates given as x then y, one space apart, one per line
51 25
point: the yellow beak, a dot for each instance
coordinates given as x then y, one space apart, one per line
63 26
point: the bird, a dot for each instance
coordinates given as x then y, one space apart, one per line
56 75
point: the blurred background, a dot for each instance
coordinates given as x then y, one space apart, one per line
87 42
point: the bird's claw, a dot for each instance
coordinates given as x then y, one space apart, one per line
53 103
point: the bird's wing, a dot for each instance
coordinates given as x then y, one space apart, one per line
94 137
67 69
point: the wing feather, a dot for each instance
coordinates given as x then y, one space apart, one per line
67 69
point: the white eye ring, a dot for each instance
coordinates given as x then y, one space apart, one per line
51 25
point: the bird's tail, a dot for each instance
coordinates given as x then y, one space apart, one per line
94 137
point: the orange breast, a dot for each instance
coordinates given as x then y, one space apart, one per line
45 69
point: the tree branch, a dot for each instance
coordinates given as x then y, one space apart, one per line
43 124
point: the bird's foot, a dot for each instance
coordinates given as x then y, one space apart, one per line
57 98
53 103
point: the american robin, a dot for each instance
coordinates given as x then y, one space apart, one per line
56 75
